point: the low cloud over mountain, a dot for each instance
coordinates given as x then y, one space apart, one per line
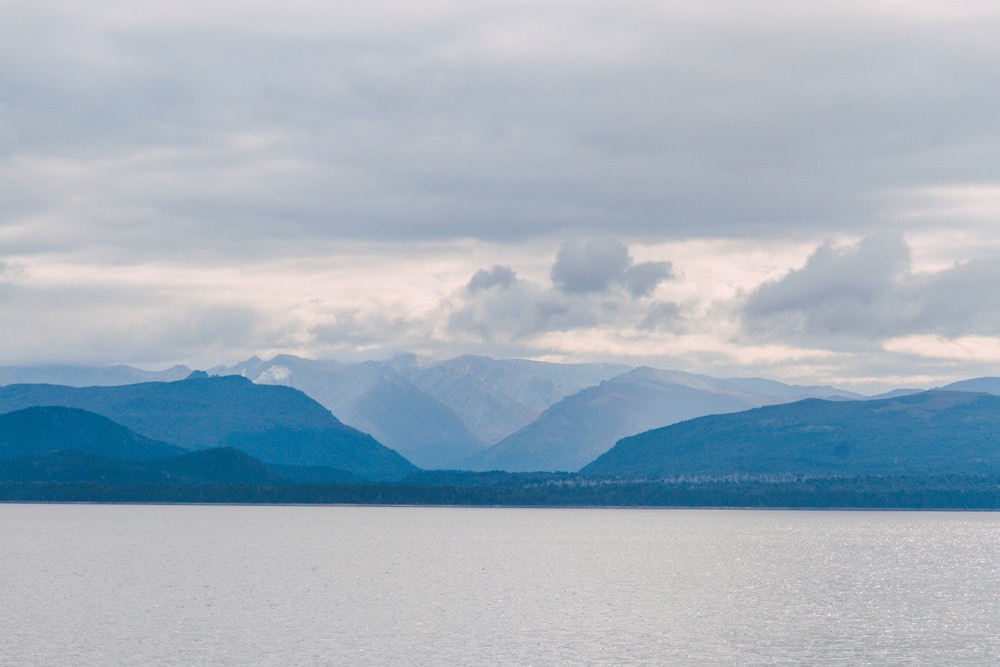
868 291
593 283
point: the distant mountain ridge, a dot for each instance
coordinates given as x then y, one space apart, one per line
988 385
931 450
372 397
471 412
576 430
496 397
274 424
928 433
434 413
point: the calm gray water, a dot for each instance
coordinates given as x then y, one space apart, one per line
220 585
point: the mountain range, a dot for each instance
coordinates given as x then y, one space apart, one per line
926 433
577 429
223 438
66 445
925 450
275 424
436 414
477 413
374 398
471 413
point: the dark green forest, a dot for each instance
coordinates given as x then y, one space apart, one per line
867 492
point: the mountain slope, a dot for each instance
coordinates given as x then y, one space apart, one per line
374 398
436 413
496 397
275 424
935 432
577 429
36 430
986 385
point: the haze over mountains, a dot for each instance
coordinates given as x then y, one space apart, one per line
578 428
374 398
437 415
477 413
88 376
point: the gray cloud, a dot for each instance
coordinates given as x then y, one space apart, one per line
665 316
867 292
111 325
267 134
521 311
11 271
329 122
346 331
641 279
590 266
595 265
498 276
595 284
959 301
837 292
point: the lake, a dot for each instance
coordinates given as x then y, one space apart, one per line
293 585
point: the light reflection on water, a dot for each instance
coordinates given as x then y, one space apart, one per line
225 585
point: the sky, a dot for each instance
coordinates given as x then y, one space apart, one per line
803 191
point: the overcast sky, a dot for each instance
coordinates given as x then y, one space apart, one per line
803 191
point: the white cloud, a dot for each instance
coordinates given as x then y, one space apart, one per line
275 375
359 302
976 349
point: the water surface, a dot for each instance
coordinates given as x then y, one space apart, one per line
257 585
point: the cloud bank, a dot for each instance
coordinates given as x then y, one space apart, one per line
868 292
779 188
593 283
229 128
